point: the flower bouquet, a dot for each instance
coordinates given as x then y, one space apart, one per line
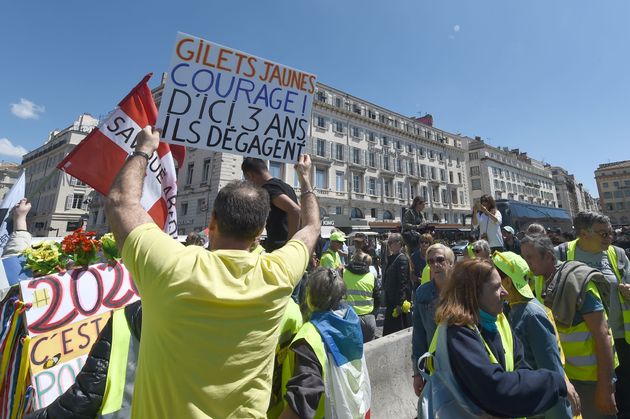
81 247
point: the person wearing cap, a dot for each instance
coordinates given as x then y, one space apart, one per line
331 257
533 326
510 242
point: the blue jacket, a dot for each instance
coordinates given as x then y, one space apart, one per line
425 304
534 329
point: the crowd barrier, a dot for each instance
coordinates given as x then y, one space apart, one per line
389 365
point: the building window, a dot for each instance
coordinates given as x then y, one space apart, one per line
321 147
356 213
206 170
184 208
356 155
372 159
389 189
372 186
339 210
431 154
450 176
339 151
421 151
339 181
476 184
409 148
399 165
356 132
189 173
338 126
443 175
399 190
373 212
371 137
423 171
357 182
461 197
386 162
474 171
385 141
320 178
201 206
473 156
338 102
444 196
321 122
77 201
432 172
459 178
412 168
387 215
398 145
276 169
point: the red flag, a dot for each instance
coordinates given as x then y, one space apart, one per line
98 158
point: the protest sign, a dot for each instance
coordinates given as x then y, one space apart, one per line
225 100
65 343
61 299
53 382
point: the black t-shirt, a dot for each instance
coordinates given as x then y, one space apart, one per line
277 221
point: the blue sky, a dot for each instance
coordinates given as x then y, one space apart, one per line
550 78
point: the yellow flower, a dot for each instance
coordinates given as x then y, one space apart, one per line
395 312
406 306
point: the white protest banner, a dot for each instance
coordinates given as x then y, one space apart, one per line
8 202
62 299
225 100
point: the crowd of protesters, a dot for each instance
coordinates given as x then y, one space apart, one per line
532 324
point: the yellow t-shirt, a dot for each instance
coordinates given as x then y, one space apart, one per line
210 324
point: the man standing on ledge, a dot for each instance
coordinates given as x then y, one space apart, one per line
210 318
284 216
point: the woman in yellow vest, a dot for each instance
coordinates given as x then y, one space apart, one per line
486 359
324 374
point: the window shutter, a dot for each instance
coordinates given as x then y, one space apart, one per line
69 201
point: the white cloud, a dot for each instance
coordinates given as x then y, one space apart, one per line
456 28
8 149
26 109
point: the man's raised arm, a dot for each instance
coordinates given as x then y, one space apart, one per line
122 205
309 233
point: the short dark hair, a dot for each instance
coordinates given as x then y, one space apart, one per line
241 209
253 165
584 220
417 200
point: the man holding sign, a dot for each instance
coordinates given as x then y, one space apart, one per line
210 318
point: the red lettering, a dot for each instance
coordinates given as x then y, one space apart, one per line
74 292
109 300
44 323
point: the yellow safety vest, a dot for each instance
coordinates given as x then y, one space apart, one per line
330 259
612 259
309 333
579 347
117 371
359 290
290 325
470 251
506 340
426 274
